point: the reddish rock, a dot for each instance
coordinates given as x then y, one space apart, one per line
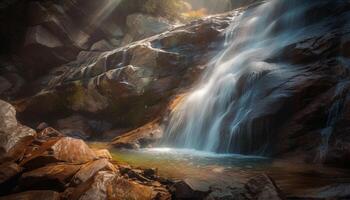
54 176
72 150
89 170
57 149
30 195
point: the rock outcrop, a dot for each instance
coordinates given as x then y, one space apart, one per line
11 132
52 166
131 85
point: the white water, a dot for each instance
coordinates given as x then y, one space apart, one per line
222 112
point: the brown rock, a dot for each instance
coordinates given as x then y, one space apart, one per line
54 176
55 148
89 170
11 132
72 150
8 171
103 153
30 195
141 137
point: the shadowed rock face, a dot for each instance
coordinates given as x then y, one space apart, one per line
130 85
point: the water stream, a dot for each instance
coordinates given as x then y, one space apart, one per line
223 112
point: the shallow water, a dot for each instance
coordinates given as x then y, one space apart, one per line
229 170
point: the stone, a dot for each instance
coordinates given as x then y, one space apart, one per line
141 26
101 45
58 149
8 170
88 170
103 154
130 85
74 126
38 35
35 194
96 189
54 176
11 132
263 187
189 189
72 150
139 138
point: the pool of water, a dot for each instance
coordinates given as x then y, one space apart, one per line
229 170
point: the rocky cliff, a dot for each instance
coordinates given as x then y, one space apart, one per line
96 76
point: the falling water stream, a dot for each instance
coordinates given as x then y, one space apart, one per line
220 114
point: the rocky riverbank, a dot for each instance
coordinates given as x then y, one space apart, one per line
46 165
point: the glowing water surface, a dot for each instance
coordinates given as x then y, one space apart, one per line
228 170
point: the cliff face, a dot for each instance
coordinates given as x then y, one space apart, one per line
99 90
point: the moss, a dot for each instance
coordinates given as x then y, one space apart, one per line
76 94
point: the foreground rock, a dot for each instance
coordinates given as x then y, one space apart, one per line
52 166
12 133
37 195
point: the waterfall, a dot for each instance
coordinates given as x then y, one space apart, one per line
221 113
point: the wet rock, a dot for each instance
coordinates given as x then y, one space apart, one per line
55 176
11 132
139 138
88 170
103 154
263 187
37 195
189 189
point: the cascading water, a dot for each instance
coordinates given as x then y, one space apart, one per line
223 112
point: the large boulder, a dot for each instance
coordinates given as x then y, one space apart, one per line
57 149
11 132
